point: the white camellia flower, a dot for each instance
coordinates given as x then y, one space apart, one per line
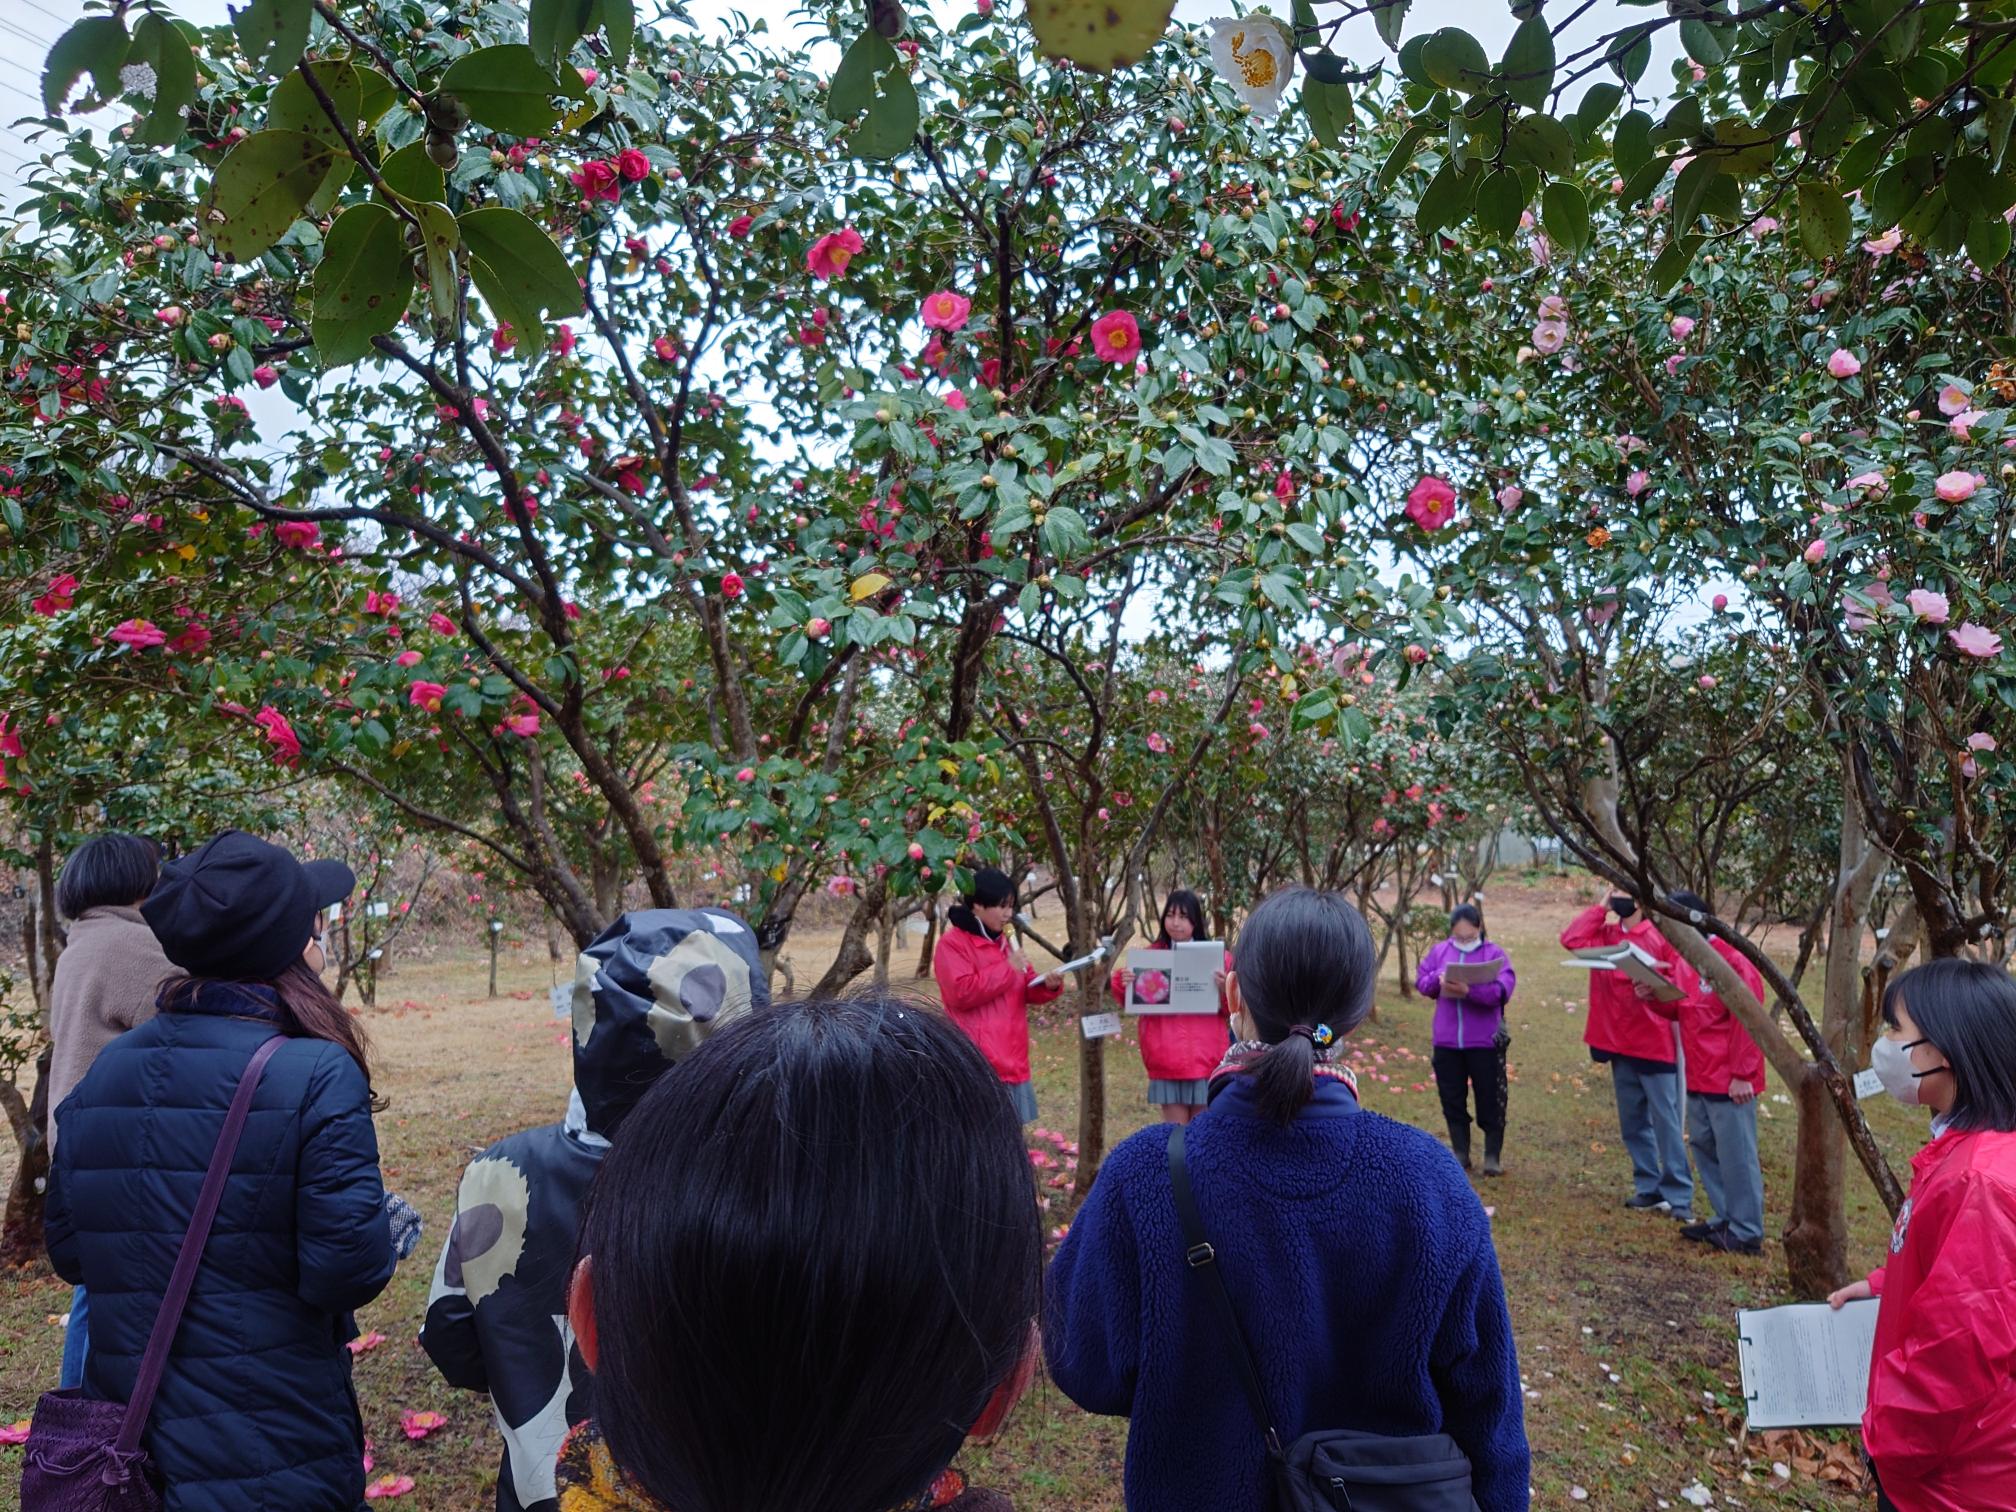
1256 56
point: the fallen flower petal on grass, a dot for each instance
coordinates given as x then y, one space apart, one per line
388 1485
365 1343
419 1424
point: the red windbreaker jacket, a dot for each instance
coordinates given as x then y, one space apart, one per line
1619 1022
987 997
1719 1049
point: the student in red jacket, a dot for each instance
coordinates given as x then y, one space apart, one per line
1725 1075
1940 1427
987 985
1180 1050
1624 1033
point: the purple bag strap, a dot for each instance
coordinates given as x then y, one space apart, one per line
155 1362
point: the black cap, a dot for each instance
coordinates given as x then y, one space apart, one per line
240 909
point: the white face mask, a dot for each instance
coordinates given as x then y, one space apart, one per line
1466 946
1892 1063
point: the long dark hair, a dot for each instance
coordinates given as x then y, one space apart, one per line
1188 904
1968 1010
815 1260
1305 959
308 1010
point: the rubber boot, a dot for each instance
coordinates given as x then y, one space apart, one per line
1459 1142
1494 1148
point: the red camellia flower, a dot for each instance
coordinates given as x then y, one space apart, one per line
193 641
1431 502
830 255
386 604
731 585
286 744
1116 337
62 592
524 725
10 746
139 634
597 180
299 534
426 695
265 375
633 165
739 227
440 624
945 311
564 340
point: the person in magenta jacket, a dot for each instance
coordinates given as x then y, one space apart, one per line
1470 1037
1725 1076
1637 1044
1940 1426
1180 1050
987 985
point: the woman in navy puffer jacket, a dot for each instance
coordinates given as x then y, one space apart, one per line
256 1412
1359 1259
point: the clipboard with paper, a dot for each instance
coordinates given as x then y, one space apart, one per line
1806 1365
1472 973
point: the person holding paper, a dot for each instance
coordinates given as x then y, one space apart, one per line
988 985
1624 1033
1725 1075
1180 1050
1469 1036
1940 1427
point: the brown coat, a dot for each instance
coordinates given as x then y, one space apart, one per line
106 981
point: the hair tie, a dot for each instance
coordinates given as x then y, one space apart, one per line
1318 1036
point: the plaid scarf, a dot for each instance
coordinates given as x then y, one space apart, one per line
1244 1052
589 1481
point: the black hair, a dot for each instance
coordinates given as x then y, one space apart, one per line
1968 1010
1692 902
1303 958
791 1315
1467 913
990 888
1188 904
108 871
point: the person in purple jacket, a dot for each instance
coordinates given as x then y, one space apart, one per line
1470 1035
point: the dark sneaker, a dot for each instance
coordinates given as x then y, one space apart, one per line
1723 1240
1699 1232
1648 1201
1493 1166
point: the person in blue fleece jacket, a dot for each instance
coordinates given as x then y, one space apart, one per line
1359 1258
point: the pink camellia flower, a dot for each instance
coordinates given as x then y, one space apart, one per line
1682 327
1981 740
265 375
62 593
280 735
840 887
1284 485
955 400
1970 768
945 311
1673 362
564 340
1158 742
170 315
388 1485
140 634
818 629
1158 696
1604 609
426 695
419 1424
1931 608
525 726
1431 502
16 1432
1884 245
406 659
739 227
1719 603
1816 551
1553 307
1510 497
1956 486
1638 482
1116 337
1963 423
297 534
731 585
1415 652
916 851
1953 399
588 76
1706 681
632 165
1870 482
830 255
364 1344
386 604
1975 640
1257 730
440 624
747 774
1549 336
1844 363
597 179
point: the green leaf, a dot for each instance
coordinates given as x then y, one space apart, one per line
1454 59
1389 16
1997 116
1702 44
1896 189
853 87
411 174
1859 161
1742 149
439 237
505 88
97 45
554 26
161 46
1673 261
1824 221
261 188
377 94
1501 199
1970 182
1564 214
1597 103
1402 154
1446 200
273 32
891 126
1542 141
1630 51
362 284
619 24
1328 107
294 107
1987 241
519 272
1528 67
1307 537
1631 145
1688 190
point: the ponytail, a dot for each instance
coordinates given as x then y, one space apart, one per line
1284 1079
1305 968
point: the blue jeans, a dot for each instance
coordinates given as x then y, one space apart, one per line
1649 1120
76 1340
1724 1136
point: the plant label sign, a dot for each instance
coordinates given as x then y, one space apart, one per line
1099 1025
1181 979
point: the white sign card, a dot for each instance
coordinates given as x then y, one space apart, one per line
1806 1365
563 1000
1181 979
1867 1083
1099 1025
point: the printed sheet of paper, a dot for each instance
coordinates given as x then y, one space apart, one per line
1633 962
1099 1025
1472 973
1806 1365
1182 979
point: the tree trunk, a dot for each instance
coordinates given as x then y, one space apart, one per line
932 915
885 945
1091 1052
854 957
21 1221
1816 1233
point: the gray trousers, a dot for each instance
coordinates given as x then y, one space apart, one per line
1649 1121
1724 1136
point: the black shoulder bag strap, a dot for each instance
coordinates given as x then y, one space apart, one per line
1203 1261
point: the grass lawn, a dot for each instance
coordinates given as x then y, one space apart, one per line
1626 1336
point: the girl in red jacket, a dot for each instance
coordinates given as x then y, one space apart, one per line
987 984
1940 1427
1180 1050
